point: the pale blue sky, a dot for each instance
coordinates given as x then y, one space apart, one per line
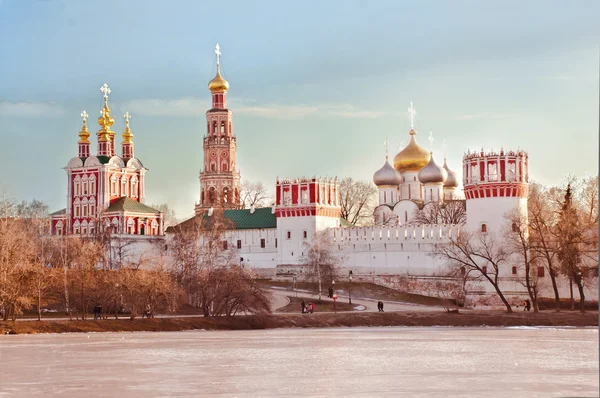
316 86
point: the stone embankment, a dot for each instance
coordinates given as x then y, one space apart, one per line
317 320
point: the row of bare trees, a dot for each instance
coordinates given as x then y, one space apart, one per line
207 266
559 233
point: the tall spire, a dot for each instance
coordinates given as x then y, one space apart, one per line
127 145
386 148
411 113
105 135
84 135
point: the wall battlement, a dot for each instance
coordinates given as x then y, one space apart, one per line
394 234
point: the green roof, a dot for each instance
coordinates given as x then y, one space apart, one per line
103 159
59 212
243 219
240 218
128 204
345 223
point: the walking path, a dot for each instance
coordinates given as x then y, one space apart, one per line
280 300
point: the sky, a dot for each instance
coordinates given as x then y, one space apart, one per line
315 86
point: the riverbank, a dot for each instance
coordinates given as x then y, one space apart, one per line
323 320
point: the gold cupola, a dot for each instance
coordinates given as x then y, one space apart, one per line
218 84
84 134
413 157
127 134
105 120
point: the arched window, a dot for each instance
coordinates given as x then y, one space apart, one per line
405 216
134 187
202 196
93 185
84 185
229 128
113 185
211 195
514 270
222 127
124 186
213 167
225 195
224 167
484 228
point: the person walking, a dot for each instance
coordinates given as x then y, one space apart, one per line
96 312
312 307
303 307
528 304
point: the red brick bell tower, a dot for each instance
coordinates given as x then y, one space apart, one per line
219 178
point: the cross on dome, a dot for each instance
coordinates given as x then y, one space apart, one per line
218 52
106 90
386 147
84 116
127 116
411 113
430 141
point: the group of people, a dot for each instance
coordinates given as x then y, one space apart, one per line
310 308
380 306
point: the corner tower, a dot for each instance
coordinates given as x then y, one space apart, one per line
219 179
495 183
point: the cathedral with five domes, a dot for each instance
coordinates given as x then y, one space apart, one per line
414 182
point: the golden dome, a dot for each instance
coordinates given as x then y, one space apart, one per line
84 134
127 135
411 158
218 84
105 121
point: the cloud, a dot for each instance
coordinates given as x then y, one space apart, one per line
480 116
29 109
195 107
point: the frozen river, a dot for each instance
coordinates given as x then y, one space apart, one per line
368 362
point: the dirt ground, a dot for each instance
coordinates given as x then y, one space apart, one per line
360 290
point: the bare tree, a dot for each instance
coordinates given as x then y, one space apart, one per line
320 259
542 218
169 216
357 199
448 212
571 238
517 240
254 194
479 253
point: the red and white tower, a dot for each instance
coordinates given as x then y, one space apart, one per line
303 207
494 184
219 179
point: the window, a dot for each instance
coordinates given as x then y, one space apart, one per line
134 187
84 211
239 244
113 185
124 186
262 243
289 234
222 127
540 272
484 228
76 210
213 167
305 234
514 270
224 245
405 216
484 269
92 210
276 246
85 187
